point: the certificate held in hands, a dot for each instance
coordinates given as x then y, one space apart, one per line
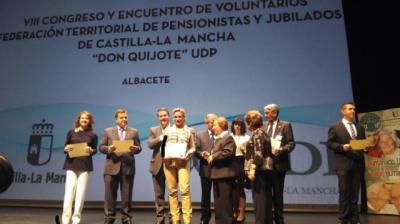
122 146
175 150
360 144
275 143
78 150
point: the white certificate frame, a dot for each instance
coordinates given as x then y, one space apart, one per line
175 150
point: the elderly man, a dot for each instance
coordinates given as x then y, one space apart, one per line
281 131
204 142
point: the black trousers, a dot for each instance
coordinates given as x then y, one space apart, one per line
349 189
278 183
262 197
223 190
125 183
206 184
159 194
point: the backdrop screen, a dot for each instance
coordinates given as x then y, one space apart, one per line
60 57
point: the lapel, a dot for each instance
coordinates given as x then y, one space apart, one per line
114 133
159 130
278 128
209 140
207 143
216 143
344 130
359 134
128 133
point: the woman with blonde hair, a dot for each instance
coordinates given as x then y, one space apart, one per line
177 170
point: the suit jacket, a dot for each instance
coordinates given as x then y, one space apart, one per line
337 137
223 153
116 162
203 143
284 129
154 143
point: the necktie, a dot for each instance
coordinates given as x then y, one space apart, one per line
352 132
121 134
270 129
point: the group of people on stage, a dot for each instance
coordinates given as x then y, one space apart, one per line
119 168
229 163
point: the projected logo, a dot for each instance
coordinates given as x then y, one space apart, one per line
40 143
371 122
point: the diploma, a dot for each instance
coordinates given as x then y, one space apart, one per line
360 144
275 143
78 150
122 146
175 150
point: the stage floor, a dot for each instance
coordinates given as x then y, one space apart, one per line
21 215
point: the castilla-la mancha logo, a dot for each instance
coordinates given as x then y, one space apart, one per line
40 143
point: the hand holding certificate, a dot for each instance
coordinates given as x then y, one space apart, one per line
123 146
78 150
175 150
360 144
275 146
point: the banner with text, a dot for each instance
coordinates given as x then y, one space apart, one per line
383 161
226 57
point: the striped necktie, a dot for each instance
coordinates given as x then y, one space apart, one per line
352 132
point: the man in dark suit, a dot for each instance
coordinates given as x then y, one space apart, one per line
221 160
156 137
280 131
204 142
119 168
348 163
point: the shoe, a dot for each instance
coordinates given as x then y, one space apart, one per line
240 218
204 222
